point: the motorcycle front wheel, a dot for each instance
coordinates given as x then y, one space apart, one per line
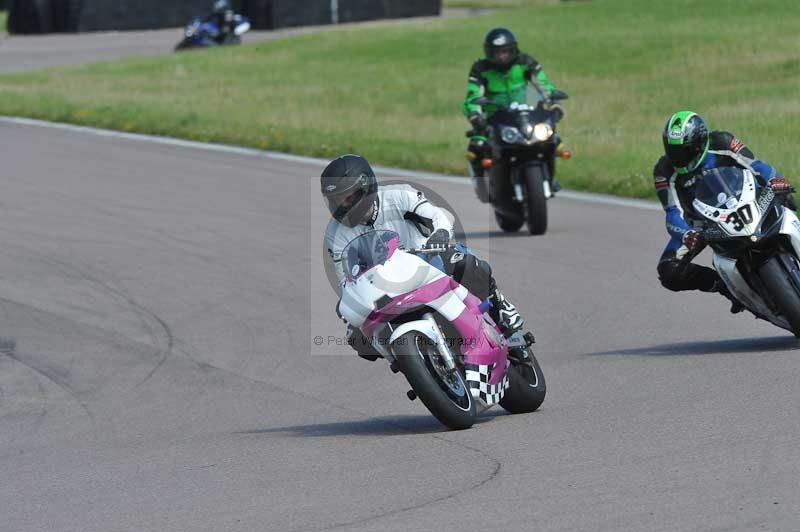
536 201
776 277
445 393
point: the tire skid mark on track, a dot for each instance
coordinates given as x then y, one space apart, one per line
62 384
496 464
42 412
186 350
150 320
48 373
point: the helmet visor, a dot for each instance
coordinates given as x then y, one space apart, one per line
502 55
341 204
683 155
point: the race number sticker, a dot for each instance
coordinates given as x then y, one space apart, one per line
741 218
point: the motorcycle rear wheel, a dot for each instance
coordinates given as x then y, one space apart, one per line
446 395
776 278
508 223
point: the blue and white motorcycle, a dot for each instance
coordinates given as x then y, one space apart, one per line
203 33
756 242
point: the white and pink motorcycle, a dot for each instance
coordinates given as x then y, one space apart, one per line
434 331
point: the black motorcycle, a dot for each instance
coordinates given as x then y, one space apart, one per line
523 146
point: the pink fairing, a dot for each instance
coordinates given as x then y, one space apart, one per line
392 245
402 303
481 346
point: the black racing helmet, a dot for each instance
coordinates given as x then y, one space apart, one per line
350 189
685 139
500 47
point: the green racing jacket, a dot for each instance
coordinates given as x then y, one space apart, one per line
501 86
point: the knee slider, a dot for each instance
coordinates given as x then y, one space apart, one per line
669 274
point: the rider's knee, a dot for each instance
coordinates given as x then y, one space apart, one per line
669 275
475 274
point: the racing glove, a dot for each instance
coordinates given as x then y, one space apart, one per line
557 110
438 240
780 185
479 122
693 241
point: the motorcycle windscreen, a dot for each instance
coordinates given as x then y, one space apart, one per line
532 95
720 187
367 251
522 95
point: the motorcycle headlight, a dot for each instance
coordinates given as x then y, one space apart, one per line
542 131
510 135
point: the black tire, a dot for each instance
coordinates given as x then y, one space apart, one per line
536 202
509 223
417 358
776 279
509 214
480 188
526 387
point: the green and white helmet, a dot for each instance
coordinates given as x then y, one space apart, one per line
685 140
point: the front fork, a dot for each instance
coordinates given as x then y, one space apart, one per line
516 181
426 326
441 345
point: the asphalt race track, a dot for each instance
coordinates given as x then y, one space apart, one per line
163 301
31 52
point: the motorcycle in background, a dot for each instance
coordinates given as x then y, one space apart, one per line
201 32
519 173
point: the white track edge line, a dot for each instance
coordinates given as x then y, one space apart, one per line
587 197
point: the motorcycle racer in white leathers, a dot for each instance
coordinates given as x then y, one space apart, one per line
358 205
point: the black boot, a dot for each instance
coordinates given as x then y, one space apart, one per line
722 289
477 168
505 314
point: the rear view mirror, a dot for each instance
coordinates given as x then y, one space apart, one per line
558 95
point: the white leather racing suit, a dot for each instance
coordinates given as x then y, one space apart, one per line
400 208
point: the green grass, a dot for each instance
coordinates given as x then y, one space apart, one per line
3 21
393 92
